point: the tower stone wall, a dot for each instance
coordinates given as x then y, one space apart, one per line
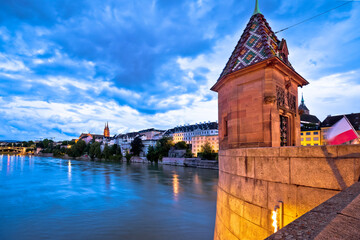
252 102
261 163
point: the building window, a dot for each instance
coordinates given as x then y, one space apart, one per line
302 139
316 138
225 127
301 134
308 133
316 133
308 139
316 144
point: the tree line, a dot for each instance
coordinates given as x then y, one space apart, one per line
95 151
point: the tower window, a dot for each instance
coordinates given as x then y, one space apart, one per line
225 127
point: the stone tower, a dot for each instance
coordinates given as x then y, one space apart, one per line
257 91
106 130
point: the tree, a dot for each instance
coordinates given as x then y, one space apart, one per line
115 153
106 152
78 149
207 152
118 150
57 153
189 153
31 144
136 146
181 145
40 144
128 157
87 148
152 155
95 150
80 146
46 142
113 149
163 146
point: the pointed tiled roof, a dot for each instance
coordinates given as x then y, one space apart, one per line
257 43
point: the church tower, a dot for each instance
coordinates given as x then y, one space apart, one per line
257 91
302 108
106 130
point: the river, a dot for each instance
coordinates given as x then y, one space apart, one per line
50 198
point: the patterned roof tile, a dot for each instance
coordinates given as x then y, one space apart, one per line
257 43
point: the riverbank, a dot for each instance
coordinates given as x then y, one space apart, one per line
15 153
191 162
181 162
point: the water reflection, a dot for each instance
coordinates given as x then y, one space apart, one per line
8 165
175 186
22 159
107 181
90 200
69 170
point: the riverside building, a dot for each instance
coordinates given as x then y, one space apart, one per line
149 137
187 132
88 137
199 140
310 126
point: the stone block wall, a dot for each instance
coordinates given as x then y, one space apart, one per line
253 180
191 162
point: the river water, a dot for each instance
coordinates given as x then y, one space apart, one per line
49 198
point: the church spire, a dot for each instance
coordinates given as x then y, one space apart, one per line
257 10
302 98
302 108
106 130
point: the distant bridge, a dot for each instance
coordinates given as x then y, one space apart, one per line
15 150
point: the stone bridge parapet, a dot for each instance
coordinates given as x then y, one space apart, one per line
252 181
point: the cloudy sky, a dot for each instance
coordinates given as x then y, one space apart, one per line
68 66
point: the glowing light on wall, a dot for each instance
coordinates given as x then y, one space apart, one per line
278 216
274 218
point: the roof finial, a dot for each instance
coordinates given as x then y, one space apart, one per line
257 10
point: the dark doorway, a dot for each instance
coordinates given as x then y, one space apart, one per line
284 131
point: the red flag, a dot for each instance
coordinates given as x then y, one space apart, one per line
341 132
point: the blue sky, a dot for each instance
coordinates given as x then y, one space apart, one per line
67 67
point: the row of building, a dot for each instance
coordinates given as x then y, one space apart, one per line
195 135
314 132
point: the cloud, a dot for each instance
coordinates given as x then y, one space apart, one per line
63 121
334 94
8 63
66 66
328 47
